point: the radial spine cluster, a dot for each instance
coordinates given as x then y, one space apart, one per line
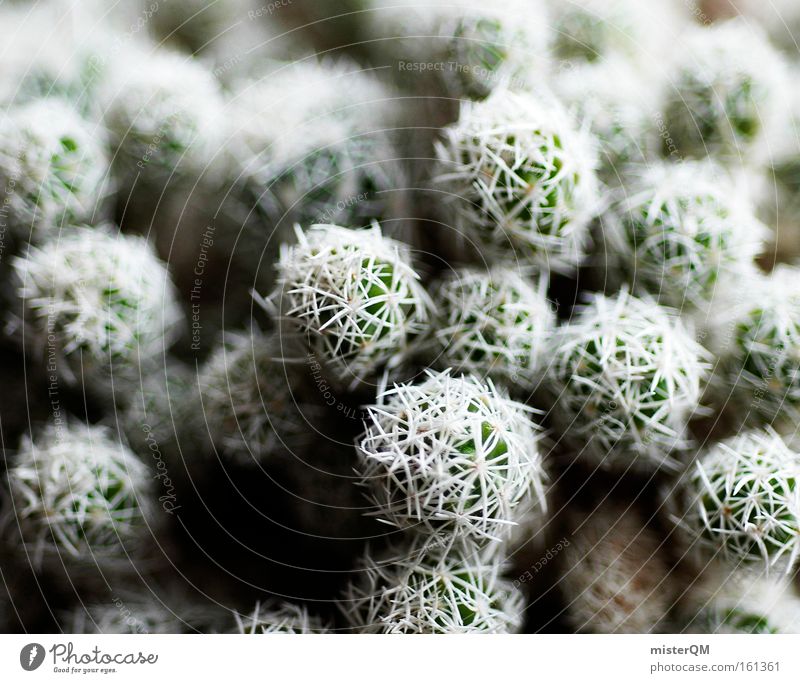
79 495
432 588
492 324
451 455
521 180
356 296
627 376
744 501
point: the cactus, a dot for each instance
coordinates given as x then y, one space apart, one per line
615 577
756 332
726 92
313 145
740 603
471 47
284 617
612 97
451 456
428 587
356 296
492 324
743 501
594 30
250 410
79 495
53 169
627 376
163 112
98 302
680 228
521 180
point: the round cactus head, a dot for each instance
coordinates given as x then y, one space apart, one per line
163 112
106 300
250 410
757 334
521 179
79 495
725 93
312 144
681 228
615 577
427 587
356 296
745 501
627 376
493 324
53 169
452 456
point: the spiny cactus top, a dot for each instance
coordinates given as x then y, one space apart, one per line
741 603
756 331
163 110
53 169
451 456
615 577
300 106
592 30
79 494
428 587
247 400
492 324
105 298
312 142
613 97
356 295
679 228
474 46
521 180
743 501
284 617
627 376
725 92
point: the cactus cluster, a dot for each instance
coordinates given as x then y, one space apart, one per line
399 317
